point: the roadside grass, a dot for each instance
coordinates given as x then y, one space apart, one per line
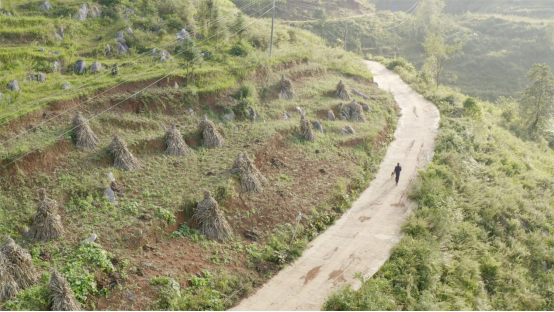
482 235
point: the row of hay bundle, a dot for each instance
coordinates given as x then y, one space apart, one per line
354 112
251 179
176 146
84 135
287 91
61 295
123 158
341 91
211 219
306 129
210 135
47 223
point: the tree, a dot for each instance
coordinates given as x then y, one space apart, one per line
537 102
191 55
427 17
438 53
238 25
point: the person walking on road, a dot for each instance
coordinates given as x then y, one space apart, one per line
396 171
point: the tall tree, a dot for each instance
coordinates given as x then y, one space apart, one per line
190 53
238 25
438 53
537 103
428 17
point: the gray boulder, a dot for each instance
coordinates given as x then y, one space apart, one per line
55 66
318 126
108 50
96 12
182 35
350 129
331 115
41 77
191 111
340 106
110 195
13 85
95 67
120 37
66 86
366 108
300 111
343 131
360 94
89 239
164 56
83 12
80 66
111 176
287 116
154 51
41 49
254 116
229 114
128 12
1 97
45 6
129 30
122 47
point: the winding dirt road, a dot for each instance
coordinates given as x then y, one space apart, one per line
362 239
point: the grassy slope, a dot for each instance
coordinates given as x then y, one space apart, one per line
149 232
482 237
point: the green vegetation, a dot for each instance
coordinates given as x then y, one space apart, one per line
481 238
149 232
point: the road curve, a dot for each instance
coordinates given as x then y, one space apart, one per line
362 238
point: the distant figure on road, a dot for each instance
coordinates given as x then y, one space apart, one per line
396 171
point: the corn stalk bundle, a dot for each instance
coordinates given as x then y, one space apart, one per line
239 165
176 146
210 218
8 286
211 137
251 179
47 223
22 268
84 135
123 159
287 91
342 92
354 112
61 295
306 129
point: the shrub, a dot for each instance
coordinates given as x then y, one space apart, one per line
471 107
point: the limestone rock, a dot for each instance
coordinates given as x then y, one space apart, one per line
13 85
122 47
331 115
83 12
45 6
41 77
182 35
80 67
318 126
95 67
350 129
66 86
89 239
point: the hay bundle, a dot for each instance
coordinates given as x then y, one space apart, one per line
47 223
354 112
211 137
251 178
210 218
239 165
8 286
123 159
342 92
176 146
22 268
306 129
61 295
287 92
84 135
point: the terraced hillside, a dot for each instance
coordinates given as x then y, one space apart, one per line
149 251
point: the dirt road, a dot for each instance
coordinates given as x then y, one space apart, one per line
362 239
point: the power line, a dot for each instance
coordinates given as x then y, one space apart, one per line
111 107
97 77
80 104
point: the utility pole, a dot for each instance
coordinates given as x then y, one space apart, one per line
272 22
345 29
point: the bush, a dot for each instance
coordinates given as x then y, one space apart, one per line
471 107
